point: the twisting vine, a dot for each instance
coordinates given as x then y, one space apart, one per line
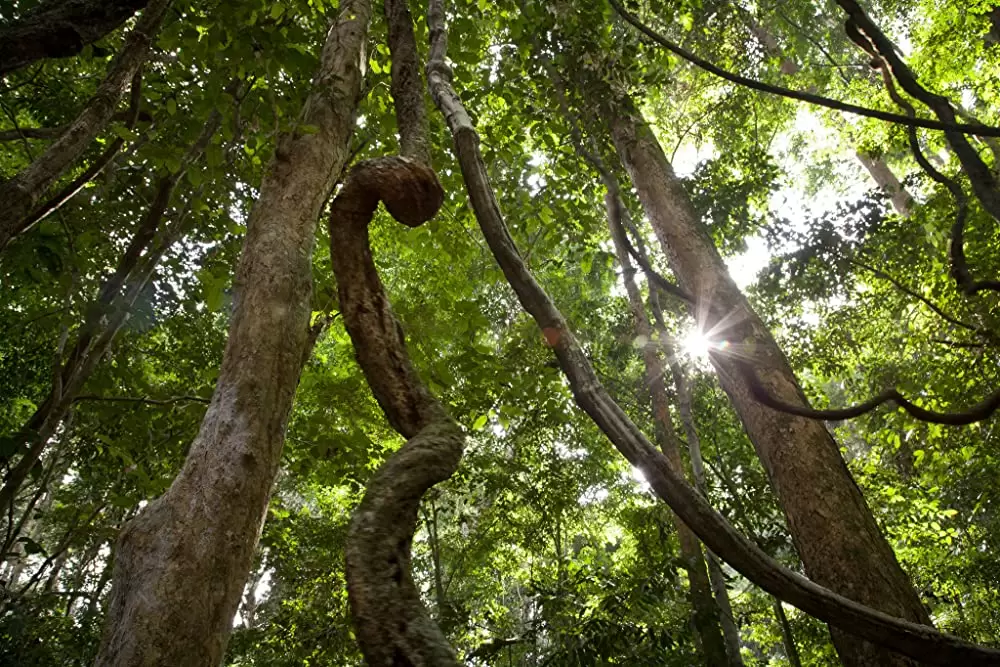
393 626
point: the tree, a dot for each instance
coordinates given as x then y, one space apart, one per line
441 488
180 566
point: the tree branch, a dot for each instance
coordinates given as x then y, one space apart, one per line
819 100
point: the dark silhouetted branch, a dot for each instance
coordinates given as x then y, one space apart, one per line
819 100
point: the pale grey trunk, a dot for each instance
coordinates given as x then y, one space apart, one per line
682 390
887 182
787 639
182 564
834 531
705 611
885 179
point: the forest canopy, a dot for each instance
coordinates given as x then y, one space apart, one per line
685 351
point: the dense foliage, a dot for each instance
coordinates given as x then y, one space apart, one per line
546 548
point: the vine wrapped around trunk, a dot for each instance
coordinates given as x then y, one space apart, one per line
393 626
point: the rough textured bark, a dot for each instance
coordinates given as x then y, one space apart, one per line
19 195
393 626
182 564
59 29
913 639
880 172
833 529
106 316
706 613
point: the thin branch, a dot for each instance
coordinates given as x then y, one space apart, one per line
916 295
819 100
984 184
142 399
978 412
959 264
31 133
91 172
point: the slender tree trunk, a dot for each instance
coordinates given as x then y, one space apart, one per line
834 531
706 613
19 195
182 564
685 410
59 29
880 172
787 639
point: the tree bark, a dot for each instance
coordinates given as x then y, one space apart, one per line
394 628
833 529
19 195
880 172
182 564
706 613
60 29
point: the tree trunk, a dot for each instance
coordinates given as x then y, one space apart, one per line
833 529
19 195
182 564
684 408
787 639
706 613
880 172
59 29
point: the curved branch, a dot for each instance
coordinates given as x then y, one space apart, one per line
31 133
20 194
916 295
978 412
984 184
919 641
982 410
959 263
819 100
60 29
